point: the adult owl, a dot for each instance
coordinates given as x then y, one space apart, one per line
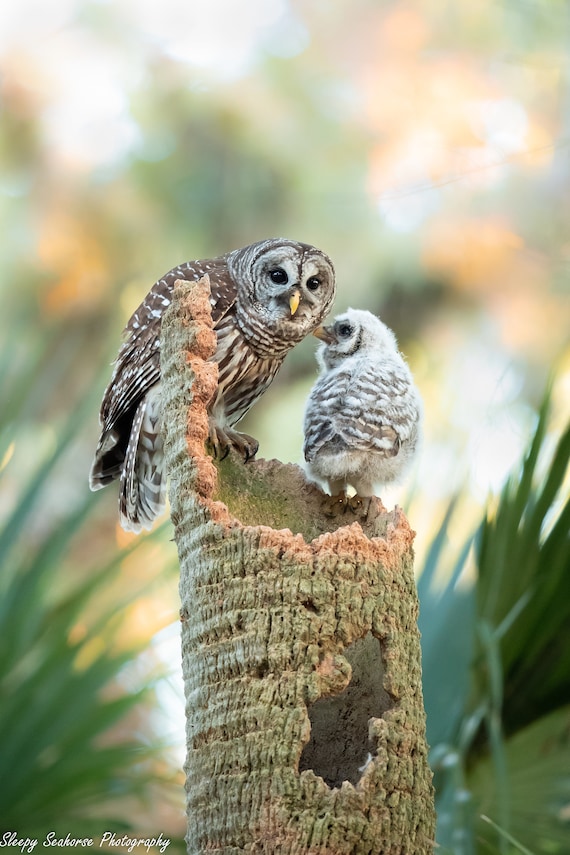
363 416
265 298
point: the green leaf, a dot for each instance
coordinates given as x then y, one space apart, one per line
446 612
494 757
538 760
506 836
523 554
58 705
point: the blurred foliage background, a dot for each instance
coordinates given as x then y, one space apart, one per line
424 145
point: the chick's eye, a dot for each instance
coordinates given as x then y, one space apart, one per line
313 283
344 330
278 276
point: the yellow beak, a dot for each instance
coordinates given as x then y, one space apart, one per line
294 301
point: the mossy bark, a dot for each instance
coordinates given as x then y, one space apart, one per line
300 647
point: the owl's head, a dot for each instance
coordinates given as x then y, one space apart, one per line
354 333
285 289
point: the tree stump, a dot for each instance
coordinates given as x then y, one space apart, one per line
300 647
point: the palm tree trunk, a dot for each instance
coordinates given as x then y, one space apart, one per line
300 647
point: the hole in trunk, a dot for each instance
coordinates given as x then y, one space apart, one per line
339 746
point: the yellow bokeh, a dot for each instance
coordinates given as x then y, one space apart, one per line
75 259
473 253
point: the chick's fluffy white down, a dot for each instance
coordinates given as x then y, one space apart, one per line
363 416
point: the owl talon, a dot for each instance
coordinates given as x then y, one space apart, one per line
221 440
333 506
360 505
243 443
216 443
355 503
221 452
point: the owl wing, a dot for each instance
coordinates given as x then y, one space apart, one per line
137 367
223 295
355 413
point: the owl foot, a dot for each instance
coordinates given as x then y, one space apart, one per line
220 440
333 506
360 505
365 506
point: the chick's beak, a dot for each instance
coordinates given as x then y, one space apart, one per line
294 301
325 334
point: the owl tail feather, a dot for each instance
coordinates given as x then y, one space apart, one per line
108 462
142 494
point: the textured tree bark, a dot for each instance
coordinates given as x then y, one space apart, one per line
300 647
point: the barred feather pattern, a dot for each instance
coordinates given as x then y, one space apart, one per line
243 375
256 322
363 416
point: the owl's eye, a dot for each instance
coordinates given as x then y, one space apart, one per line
313 283
344 330
278 276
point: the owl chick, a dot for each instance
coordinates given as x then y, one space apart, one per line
265 298
363 416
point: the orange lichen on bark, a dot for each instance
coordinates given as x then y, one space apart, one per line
193 306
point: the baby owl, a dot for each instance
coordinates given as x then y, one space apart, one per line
265 298
362 421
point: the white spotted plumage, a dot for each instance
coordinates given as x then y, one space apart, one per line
258 317
363 416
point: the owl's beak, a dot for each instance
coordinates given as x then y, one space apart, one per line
294 301
325 334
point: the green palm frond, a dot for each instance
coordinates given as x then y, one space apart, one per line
447 613
523 557
496 661
538 760
62 672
